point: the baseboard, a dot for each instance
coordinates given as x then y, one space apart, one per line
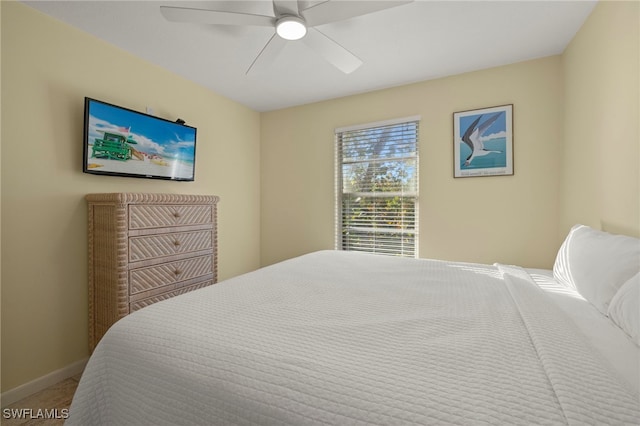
41 383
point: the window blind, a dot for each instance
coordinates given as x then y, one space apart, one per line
377 188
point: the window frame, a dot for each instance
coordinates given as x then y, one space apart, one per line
339 178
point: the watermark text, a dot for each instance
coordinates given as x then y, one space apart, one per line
35 413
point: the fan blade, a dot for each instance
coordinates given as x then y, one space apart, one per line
334 11
267 55
285 7
215 17
335 54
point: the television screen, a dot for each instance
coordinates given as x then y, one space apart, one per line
122 142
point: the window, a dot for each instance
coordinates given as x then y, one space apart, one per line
377 188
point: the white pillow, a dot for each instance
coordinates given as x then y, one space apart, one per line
596 263
624 309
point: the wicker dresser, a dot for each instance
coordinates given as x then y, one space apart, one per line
144 248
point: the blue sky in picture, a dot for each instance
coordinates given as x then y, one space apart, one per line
153 135
500 125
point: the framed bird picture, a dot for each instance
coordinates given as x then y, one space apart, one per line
483 142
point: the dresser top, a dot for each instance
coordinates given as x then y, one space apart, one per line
146 198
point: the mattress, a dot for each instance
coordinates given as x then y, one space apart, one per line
341 338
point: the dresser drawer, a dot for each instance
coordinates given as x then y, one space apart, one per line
160 245
139 304
145 279
157 216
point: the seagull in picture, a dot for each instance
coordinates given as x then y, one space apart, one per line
472 138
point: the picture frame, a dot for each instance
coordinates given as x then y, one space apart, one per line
483 142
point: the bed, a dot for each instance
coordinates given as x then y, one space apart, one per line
343 338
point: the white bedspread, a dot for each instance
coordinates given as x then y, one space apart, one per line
344 338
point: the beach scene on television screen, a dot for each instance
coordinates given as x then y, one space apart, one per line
122 141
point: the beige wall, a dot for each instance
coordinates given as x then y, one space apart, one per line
47 69
601 148
576 144
509 219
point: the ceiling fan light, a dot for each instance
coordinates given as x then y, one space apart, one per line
291 28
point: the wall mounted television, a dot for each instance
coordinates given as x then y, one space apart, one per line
121 142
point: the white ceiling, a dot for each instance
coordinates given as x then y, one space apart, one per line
414 42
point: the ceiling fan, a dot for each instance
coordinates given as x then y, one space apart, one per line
291 22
